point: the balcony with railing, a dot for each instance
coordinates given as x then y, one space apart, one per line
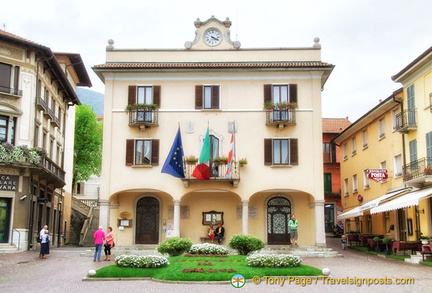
143 118
281 117
42 105
406 121
11 91
418 172
217 173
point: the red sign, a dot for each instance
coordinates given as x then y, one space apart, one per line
377 175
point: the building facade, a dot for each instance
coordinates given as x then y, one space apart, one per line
37 90
213 85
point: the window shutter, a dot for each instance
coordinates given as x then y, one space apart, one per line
293 151
156 95
267 93
130 146
155 152
215 97
132 94
268 151
198 97
293 93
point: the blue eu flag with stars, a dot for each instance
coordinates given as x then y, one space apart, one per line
174 162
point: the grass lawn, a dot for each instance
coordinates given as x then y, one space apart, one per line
212 269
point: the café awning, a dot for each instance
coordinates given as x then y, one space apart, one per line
404 201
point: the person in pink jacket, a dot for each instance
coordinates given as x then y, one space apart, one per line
99 237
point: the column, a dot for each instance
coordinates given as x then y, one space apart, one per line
320 236
176 232
104 213
245 217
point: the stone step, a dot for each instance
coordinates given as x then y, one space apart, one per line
414 259
7 248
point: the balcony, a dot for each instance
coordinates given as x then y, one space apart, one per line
406 121
11 91
280 117
418 172
217 174
42 105
143 118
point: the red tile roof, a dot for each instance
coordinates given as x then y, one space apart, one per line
334 125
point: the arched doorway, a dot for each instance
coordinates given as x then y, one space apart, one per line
147 221
278 215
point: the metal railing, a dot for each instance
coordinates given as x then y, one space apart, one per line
406 120
281 116
418 168
145 116
11 91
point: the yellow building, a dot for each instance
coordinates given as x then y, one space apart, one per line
371 143
37 118
213 84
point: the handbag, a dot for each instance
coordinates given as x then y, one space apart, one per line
113 244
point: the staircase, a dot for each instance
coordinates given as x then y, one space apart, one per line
90 209
7 248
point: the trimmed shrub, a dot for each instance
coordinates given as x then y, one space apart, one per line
175 246
208 248
273 260
145 261
244 244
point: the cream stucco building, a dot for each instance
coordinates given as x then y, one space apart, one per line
213 83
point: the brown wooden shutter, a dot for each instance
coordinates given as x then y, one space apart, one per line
268 151
130 146
156 95
293 151
155 152
215 97
293 93
267 93
198 97
132 94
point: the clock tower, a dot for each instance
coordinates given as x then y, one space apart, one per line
212 34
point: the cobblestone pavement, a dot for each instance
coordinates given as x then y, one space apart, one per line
65 270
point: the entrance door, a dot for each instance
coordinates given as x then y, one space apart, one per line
5 209
147 221
402 225
329 212
278 215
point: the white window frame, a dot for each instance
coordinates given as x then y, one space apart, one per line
381 129
364 138
354 183
366 180
353 146
397 162
346 191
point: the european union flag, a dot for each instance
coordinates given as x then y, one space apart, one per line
174 162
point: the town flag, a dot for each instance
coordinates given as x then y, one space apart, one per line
231 154
174 162
202 170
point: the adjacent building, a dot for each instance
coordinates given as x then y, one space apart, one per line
37 99
258 104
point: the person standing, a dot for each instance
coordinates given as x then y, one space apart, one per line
219 232
41 233
99 237
211 233
109 243
293 226
45 240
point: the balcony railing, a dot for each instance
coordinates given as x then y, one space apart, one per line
145 117
11 91
406 121
280 117
420 170
217 173
42 105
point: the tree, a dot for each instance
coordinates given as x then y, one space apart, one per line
88 144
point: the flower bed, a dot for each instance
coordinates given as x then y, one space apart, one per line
208 249
273 260
145 261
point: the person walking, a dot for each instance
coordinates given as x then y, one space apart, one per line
293 226
45 241
99 237
41 233
109 243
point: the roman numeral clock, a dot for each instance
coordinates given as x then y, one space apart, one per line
212 34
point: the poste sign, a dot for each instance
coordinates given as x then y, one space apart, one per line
377 175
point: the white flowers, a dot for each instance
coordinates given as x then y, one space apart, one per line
144 261
208 248
273 260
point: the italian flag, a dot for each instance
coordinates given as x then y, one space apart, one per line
202 170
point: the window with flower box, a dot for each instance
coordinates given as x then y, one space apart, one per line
141 152
143 101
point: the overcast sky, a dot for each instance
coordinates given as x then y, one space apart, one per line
367 40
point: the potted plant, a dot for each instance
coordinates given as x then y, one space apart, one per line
220 160
424 239
376 239
243 162
269 105
428 170
191 160
141 107
386 241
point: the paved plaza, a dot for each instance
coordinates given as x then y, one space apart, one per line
66 269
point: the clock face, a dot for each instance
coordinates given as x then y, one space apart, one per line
212 37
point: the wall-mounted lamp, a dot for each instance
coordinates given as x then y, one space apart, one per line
23 197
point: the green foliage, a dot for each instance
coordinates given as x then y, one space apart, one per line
88 144
386 240
141 261
207 248
175 246
376 239
245 244
273 260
